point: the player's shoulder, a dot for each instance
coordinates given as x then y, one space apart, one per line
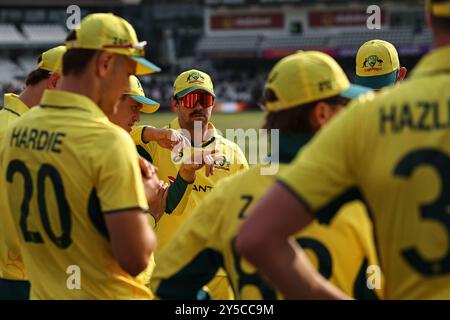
101 135
226 142
108 131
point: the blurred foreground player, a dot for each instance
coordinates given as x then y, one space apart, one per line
80 204
392 150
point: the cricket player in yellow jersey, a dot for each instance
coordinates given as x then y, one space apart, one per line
193 100
391 149
341 251
13 279
377 65
80 205
129 107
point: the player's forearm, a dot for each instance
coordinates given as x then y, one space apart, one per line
150 134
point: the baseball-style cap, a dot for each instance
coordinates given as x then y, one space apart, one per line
308 76
51 60
192 80
377 64
137 93
107 32
439 8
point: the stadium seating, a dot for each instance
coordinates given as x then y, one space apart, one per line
224 43
10 35
8 70
48 33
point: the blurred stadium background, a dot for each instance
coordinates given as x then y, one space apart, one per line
236 41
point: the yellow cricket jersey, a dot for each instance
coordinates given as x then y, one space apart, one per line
62 179
341 251
393 150
168 165
184 197
11 264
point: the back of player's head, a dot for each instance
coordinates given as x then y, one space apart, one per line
377 64
298 82
439 11
76 60
48 62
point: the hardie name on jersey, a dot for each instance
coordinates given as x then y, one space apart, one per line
417 116
36 139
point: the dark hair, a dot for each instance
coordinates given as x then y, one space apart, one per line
440 24
37 75
76 60
296 119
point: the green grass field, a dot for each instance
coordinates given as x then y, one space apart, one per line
222 121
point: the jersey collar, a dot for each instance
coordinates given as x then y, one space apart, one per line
436 61
59 99
12 103
290 144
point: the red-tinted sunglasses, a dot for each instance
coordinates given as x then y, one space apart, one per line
190 100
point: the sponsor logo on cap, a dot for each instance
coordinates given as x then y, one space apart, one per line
195 77
373 60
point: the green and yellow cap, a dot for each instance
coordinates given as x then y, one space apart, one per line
137 93
107 32
308 76
377 64
192 80
51 60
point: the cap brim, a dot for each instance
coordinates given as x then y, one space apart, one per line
148 105
184 92
354 91
144 66
377 82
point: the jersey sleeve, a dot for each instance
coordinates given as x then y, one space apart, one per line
191 259
119 183
179 193
323 175
145 150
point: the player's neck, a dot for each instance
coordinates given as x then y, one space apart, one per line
81 85
205 135
31 96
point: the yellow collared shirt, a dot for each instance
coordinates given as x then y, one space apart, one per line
393 150
62 179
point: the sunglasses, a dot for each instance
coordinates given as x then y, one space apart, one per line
190 100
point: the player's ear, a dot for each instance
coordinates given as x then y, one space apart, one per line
53 81
401 74
174 104
104 61
320 115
